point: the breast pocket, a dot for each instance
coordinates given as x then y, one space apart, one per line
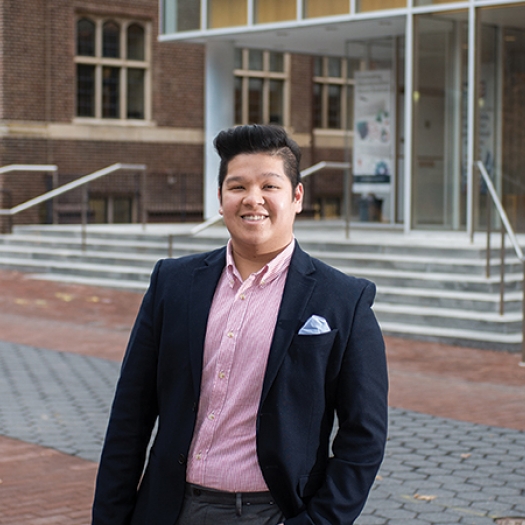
319 341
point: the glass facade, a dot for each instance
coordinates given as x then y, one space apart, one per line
440 75
268 11
436 87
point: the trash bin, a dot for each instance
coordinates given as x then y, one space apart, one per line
370 208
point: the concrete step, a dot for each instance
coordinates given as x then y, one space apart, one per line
65 268
454 336
428 287
116 284
449 318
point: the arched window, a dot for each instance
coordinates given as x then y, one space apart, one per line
111 39
85 37
135 42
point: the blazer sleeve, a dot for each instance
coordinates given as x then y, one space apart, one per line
361 408
131 422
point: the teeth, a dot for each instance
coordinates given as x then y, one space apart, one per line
254 217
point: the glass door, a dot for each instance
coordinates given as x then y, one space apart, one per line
440 70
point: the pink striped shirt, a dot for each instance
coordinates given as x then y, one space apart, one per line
238 337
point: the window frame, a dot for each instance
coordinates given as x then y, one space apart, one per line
245 74
99 62
325 80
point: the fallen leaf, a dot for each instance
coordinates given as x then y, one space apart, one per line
21 301
424 497
465 456
64 297
93 299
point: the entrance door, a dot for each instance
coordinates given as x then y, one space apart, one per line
439 189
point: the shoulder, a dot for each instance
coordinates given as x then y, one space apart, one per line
179 271
328 276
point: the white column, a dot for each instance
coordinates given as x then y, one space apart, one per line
409 101
471 120
218 114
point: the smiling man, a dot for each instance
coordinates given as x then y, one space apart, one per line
245 356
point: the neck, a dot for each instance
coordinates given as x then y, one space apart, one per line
248 262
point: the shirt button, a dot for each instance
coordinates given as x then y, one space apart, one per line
230 334
198 456
211 417
222 375
242 296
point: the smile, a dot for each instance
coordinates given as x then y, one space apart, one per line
254 218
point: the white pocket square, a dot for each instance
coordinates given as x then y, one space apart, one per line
314 326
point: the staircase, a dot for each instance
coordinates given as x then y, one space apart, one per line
430 286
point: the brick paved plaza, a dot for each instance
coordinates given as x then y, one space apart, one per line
456 450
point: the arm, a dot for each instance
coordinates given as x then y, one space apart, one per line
361 405
131 421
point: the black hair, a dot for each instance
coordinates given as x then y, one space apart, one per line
258 138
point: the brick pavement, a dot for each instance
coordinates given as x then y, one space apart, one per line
464 384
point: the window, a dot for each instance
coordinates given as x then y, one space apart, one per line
334 92
112 69
261 86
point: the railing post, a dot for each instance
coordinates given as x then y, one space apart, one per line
502 273
84 213
170 246
489 231
523 316
143 190
54 200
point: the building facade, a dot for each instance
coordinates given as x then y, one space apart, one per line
434 88
409 93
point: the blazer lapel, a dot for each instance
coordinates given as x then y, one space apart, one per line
202 288
297 292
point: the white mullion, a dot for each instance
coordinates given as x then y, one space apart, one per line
299 9
266 88
409 113
245 91
123 73
98 69
472 101
147 73
344 96
286 89
123 93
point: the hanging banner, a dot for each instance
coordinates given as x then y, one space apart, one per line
373 127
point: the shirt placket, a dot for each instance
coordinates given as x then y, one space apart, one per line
229 340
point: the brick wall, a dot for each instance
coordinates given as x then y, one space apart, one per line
37 84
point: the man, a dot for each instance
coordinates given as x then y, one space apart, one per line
244 355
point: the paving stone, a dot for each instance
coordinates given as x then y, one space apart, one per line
62 400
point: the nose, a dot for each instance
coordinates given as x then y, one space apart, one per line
253 197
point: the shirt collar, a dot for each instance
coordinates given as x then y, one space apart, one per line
267 273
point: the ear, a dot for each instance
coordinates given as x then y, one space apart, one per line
298 197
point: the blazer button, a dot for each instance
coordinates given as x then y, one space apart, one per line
182 459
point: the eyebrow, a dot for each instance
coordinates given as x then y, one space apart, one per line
240 178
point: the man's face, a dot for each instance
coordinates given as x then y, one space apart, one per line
258 204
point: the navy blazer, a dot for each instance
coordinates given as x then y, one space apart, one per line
308 378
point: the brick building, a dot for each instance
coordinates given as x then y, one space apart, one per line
87 84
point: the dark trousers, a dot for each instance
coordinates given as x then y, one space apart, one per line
211 507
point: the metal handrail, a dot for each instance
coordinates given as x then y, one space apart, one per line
46 168
28 167
304 173
81 181
505 228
